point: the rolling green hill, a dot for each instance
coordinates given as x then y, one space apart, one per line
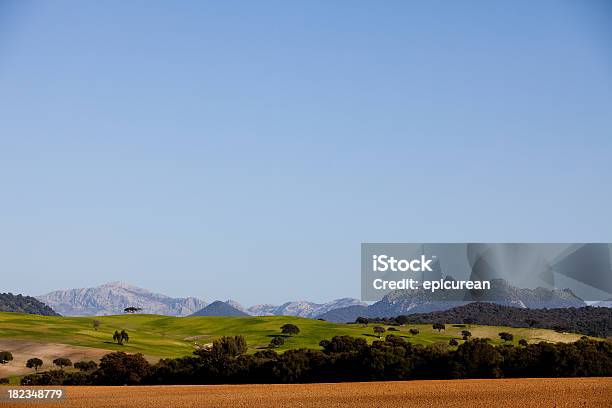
165 336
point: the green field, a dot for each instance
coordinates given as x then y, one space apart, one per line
164 336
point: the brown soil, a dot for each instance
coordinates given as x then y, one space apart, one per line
511 393
23 350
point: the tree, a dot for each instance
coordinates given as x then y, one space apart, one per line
86 365
379 330
34 363
132 309
523 342
506 336
478 359
344 344
439 326
453 342
290 329
95 323
5 357
121 337
401 320
230 346
414 332
466 334
277 342
62 362
121 369
362 320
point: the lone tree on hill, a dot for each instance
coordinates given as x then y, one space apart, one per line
62 362
466 334
34 363
132 309
453 342
86 365
506 336
277 342
290 329
379 330
439 326
5 357
121 337
414 332
95 324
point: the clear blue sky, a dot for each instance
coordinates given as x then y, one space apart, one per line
245 149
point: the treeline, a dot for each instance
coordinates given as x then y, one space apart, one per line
24 304
591 321
345 358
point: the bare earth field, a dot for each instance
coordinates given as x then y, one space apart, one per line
24 349
511 393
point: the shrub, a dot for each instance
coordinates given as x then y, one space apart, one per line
230 345
5 357
290 329
86 365
276 342
121 369
62 362
34 363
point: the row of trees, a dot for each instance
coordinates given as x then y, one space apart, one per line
345 358
61 362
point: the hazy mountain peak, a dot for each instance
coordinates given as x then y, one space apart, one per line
236 304
111 298
219 308
303 308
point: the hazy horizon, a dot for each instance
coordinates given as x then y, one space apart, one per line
245 150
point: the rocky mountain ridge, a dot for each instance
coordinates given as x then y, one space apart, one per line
111 298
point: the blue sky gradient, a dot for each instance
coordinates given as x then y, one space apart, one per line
245 149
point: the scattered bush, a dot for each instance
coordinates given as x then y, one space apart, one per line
5 357
290 329
62 362
85 365
276 342
34 363
230 345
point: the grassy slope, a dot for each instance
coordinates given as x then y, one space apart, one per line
164 336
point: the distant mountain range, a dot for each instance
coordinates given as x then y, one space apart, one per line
300 308
24 304
111 298
405 302
303 308
604 303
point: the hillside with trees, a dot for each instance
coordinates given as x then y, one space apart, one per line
24 304
592 321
